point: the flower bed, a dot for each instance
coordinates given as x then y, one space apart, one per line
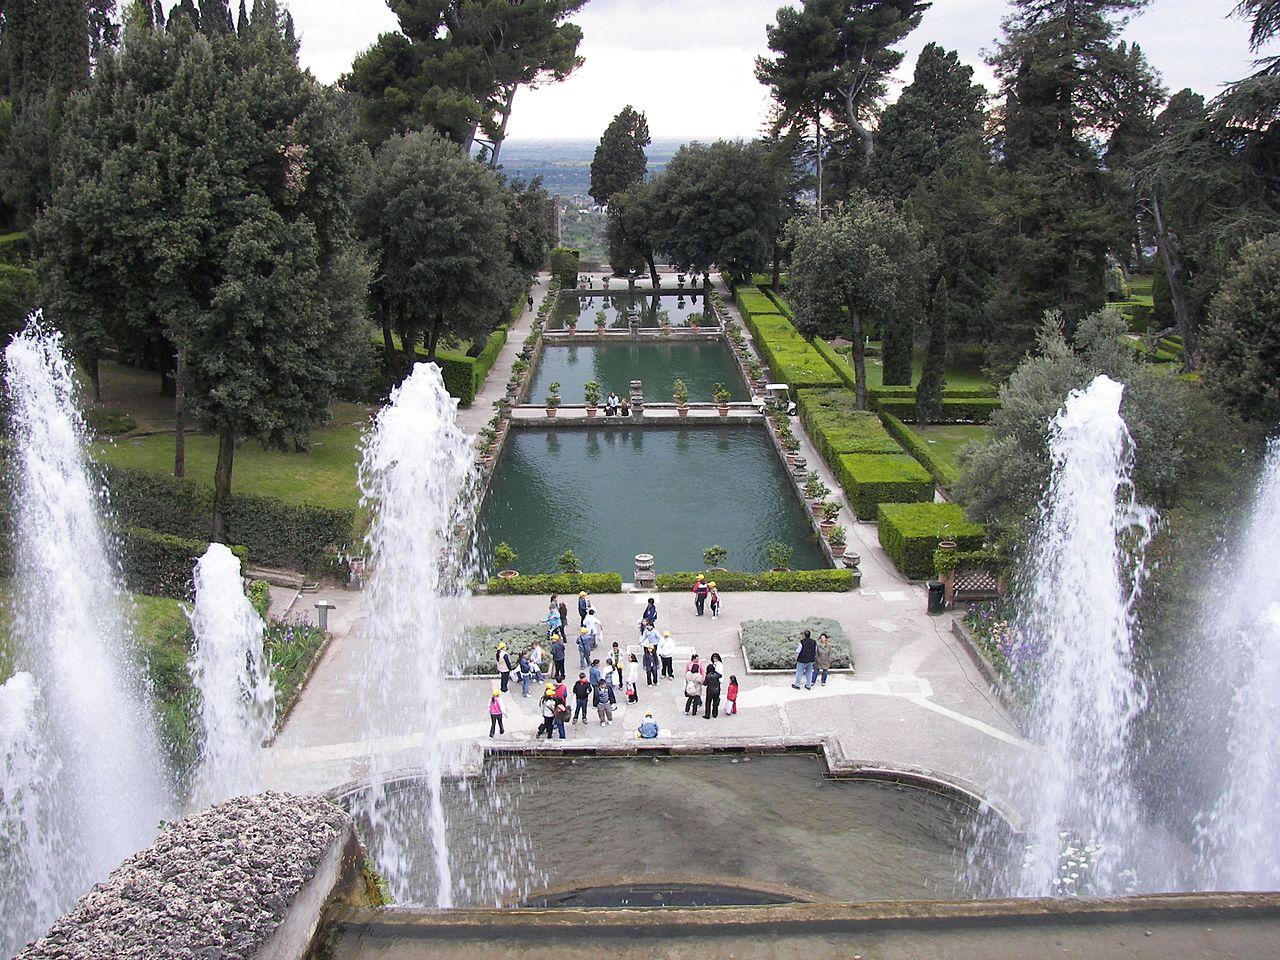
988 624
771 644
479 646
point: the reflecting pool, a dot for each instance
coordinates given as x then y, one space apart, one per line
683 310
701 364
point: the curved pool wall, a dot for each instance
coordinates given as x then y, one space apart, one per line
739 827
611 492
578 309
657 363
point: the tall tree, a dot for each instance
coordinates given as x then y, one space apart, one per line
835 57
1060 66
721 203
1242 343
437 222
455 66
242 251
619 160
631 229
862 267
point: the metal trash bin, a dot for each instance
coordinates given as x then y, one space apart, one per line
937 597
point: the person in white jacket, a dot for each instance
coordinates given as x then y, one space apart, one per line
666 653
633 679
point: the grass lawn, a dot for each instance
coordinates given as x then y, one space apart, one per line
945 440
324 476
962 372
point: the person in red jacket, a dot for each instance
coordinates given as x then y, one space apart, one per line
700 591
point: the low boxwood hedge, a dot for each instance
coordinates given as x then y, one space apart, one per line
276 534
791 357
771 644
477 653
836 426
160 565
954 409
943 473
770 581
549 583
872 479
911 532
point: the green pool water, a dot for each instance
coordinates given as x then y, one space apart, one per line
609 493
571 310
700 364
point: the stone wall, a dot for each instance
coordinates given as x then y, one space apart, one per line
249 878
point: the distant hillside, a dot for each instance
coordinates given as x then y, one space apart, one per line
565 165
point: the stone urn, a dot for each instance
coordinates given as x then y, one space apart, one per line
644 575
508 574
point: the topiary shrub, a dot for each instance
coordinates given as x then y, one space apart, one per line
872 479
837 426
911 532
771 644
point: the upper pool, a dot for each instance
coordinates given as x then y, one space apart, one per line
683 310
609 493
701 364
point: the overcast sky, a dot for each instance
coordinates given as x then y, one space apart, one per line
688 64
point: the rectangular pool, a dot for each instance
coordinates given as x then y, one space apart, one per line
701 364
573 310
609 493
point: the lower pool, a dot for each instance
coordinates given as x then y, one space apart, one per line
701 364
663 831
608 493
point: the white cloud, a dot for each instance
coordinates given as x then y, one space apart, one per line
689 64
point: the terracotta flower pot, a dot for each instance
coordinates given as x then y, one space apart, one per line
826 525
682 411
551 412
837 549
816 507
591 413
722 409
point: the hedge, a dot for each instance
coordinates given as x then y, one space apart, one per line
839 366
790 356
770 581
947 561
15 247
478 651
943 473
19 296
160 565
872 479
961 410
549 583
950 393
911 532
562 262
837 427
771 644
275 533
463 375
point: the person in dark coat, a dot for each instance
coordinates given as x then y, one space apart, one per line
711 691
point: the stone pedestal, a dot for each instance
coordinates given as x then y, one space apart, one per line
644 576
637 398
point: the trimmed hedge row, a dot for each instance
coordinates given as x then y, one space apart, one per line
911 532
793 359
943 473
550 583
837 427
950 393
160 565
275 533
770 581
871 479
463 375
974 410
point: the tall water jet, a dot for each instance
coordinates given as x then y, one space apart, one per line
416 477
33 850
1075 631
233 679
1239 842
110 790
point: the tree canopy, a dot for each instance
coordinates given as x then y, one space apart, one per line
619 160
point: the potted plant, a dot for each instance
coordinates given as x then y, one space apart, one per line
569 563
505 558
755 371
591 389
817 492
830 513
836 539
779 555
714 557
553 398
721 396
664 321
602 320
680 393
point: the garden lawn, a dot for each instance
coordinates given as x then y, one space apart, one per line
945 440
962 373
324 476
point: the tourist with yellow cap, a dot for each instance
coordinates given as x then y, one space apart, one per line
667 653
547 707
503 660
714 596
700 591
495 713
583 606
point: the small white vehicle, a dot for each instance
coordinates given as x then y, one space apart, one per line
776 399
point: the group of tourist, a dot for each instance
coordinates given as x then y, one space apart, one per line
600 685
813 659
